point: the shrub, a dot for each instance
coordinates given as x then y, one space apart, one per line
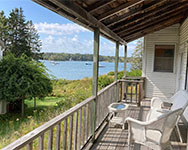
22 78
104 80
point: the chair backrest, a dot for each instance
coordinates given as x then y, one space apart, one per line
165 124
170 124
179 100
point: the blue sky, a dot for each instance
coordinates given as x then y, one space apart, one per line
59 34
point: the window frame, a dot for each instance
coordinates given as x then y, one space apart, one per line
153 59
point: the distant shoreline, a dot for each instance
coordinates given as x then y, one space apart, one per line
77 57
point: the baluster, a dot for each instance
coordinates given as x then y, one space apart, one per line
41 142
50 139
140 94
87 120
79 129
30 146
58 136
127 90
75 130
131 91
65 134
136 91
70 132
84 121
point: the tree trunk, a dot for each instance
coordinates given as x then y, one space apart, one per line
35 103
22 107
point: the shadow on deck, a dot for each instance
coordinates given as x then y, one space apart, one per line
114 138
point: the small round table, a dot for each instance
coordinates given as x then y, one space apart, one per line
117 108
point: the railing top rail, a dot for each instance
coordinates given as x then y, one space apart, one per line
134 78
131 81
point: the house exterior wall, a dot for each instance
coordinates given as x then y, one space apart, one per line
160 84
183 46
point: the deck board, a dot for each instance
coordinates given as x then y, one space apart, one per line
114 138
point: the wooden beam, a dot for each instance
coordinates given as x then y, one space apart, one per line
111 22
95 78
81 13
131 22
119 9
149 16
98 5
153 28
154 20
142 17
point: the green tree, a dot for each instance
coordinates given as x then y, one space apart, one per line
22 78
19 36
136 58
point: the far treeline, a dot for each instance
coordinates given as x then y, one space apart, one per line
77 57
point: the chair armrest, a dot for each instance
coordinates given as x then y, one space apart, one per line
134 121
157 102
163 110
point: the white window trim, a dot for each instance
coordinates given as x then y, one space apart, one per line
153 59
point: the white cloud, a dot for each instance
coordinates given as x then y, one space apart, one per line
67 45
84 46
59 29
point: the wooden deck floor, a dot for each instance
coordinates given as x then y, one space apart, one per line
114 138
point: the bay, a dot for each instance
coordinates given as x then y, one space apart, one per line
75 70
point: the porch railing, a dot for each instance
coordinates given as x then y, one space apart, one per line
70 130
132 89
73 128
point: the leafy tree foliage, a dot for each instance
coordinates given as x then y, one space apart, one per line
22 78
136 58
19 36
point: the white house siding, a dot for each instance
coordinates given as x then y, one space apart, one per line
160 84
183 47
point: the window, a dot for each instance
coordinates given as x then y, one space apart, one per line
164 58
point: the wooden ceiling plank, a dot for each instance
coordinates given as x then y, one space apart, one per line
83 14
119 9
153 28
98 5
132 13
153 20
141 17
151 31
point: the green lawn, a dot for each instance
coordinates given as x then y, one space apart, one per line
13 126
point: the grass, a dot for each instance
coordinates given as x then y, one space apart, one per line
14 126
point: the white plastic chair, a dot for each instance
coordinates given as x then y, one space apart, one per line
179 100
154 133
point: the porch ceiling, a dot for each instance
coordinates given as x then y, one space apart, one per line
121 20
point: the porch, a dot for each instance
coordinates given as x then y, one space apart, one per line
81 128
115 138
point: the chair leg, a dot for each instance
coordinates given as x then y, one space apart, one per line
170 147
179 134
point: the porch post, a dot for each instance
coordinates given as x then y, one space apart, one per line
95 79
125 61
124 73
116 71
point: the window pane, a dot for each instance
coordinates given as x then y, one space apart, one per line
164 58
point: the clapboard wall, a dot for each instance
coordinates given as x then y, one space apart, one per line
183 52
160 84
